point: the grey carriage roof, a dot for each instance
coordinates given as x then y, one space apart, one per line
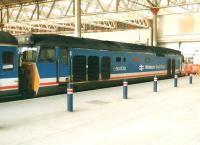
74 42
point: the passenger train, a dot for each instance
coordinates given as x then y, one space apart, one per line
9 66
44 63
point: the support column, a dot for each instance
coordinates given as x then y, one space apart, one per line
38 10
117 5
150 21
77 18
7 11
154 11
1 23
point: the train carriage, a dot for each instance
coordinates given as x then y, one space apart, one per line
50 61
8 65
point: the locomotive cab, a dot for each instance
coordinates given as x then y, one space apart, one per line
28 73
42 67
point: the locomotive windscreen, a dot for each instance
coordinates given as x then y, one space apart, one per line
28 54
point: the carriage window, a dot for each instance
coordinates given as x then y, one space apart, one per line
47 55
118 59
63 56
7 61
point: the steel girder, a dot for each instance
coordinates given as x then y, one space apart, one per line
57 16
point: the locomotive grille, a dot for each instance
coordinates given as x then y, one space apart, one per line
79 68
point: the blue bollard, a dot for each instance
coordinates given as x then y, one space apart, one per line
190 79
175 80
125 89
70 97
155 83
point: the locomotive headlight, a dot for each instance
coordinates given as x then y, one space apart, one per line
27 39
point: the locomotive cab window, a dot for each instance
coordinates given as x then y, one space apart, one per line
7 61
29 55
47 55
63 55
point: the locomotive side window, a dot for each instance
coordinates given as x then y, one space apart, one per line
50 55
47 55
124 59
63 56
118 59
7 61
42 56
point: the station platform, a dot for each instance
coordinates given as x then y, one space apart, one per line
170 116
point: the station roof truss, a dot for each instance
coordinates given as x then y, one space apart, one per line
57 16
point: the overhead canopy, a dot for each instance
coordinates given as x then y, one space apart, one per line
57 16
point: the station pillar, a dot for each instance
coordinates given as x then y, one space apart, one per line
1 22
77 18
154 11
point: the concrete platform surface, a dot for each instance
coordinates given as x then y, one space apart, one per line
169 117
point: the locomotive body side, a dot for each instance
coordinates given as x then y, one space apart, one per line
94 62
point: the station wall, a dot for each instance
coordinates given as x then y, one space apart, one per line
181 32
179 28
139 36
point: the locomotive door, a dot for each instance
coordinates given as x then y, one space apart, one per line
61 64
173 67
169 66
47 65
105 68
79 68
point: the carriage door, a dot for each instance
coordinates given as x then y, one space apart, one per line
1 71
93 68
105 68
79 68
8 70
169 66
173 67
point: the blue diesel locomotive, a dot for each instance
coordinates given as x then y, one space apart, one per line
48 62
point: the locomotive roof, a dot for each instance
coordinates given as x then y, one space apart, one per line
74 42
7 38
